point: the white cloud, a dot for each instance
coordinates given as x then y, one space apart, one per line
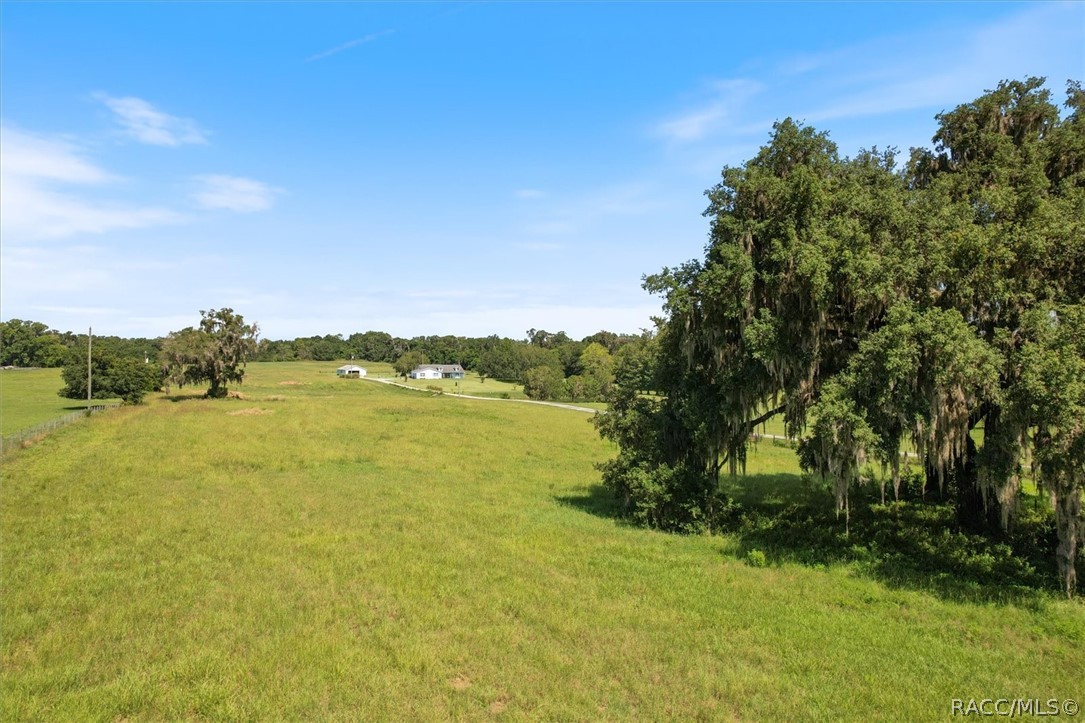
879 76
233 193
348 45
146 124
538 246
968 66
35 203
55 159
510 319
529 194
589 208
728 98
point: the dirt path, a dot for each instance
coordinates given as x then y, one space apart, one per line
559 405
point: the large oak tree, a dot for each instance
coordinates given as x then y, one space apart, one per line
215 352
872 306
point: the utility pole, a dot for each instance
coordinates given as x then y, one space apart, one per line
90 336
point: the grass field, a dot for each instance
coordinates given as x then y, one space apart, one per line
29 397
329 549
471 384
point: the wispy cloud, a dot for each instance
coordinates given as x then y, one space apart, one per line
726 100
54 159
529 194
880 76
37 173
538 246
348 45
971 64
588 210
146 124
233 193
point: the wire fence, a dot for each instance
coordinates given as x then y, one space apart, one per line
26 437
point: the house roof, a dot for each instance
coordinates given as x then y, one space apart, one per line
350 368
443 368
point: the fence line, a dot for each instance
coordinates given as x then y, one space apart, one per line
23 437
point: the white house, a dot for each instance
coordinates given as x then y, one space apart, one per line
350 370
437 371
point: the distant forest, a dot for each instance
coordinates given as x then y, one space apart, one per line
35 344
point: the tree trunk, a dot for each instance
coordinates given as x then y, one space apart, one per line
1068 521
974 514
217 390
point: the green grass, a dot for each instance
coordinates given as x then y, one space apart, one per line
333 549
29 397
471 384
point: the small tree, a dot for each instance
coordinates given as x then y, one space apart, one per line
544 382
501 360
216 352
112 377
598 366
409 361
583 388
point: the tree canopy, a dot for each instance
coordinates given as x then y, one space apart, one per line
112 377
407 362
215 352
30 344
872 306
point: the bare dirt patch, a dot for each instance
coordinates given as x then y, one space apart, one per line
498 706
290 383
460 682
250 412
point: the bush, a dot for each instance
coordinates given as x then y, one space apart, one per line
667 498
756 558
129 379
544 382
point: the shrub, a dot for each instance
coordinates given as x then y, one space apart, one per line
756 558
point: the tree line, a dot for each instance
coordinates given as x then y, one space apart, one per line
34 344
550 365
941 303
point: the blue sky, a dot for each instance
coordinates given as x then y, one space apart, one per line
451 168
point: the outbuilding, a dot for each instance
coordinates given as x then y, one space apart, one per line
350 370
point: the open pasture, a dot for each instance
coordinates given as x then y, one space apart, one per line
335 549
471 384
29 397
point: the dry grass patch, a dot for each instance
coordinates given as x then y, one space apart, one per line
249 412
460 682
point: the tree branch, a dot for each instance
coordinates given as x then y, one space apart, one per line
752 424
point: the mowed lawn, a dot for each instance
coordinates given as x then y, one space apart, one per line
341 549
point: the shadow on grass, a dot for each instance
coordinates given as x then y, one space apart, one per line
913 544
97 402
596 501
191 396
